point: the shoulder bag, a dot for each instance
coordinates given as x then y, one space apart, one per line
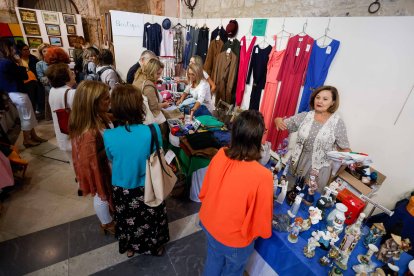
63 115
159 178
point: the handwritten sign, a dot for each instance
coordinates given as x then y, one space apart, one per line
259 27
127 23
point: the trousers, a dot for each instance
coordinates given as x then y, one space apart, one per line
225 260
102 209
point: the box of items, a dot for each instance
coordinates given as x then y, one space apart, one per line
356 181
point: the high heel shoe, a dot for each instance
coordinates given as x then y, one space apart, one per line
108 228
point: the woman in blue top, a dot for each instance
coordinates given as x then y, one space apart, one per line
139 228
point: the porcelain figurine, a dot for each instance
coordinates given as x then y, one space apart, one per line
351 238
283 185
389 248
295 230
376 231
309 249
315 215
295 207
327 238
312 187
405 246
366 259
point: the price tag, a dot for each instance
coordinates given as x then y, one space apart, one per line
196 124
300 39
256 50
217 37
228 50
241 43
297 51
169 156
308 47
328 50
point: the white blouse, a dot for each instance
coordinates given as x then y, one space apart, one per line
201 93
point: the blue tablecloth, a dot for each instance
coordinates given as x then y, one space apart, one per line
288 259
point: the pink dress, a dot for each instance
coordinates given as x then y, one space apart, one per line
270 90
292 74
6 173
243 66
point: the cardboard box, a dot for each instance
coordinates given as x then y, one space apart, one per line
356 183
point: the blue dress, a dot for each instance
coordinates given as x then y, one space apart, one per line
319 63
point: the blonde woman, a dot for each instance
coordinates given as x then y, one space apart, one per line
199 88
88 120
90 59
41 65
199 61
145 80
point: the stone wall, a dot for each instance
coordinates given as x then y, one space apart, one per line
295 8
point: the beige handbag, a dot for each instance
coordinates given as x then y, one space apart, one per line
159 178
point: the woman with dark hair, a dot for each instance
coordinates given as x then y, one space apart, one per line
11 81
88 120
319 131
105 70
139 228
32 85
237 198
62 79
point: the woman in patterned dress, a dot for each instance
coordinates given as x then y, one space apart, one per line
140 228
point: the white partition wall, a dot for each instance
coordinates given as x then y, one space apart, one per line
128 47
373 71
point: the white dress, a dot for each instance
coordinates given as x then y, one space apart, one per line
57 101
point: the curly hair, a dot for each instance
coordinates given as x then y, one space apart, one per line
56 55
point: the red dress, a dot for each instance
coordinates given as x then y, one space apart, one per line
292 76
243 66
270 90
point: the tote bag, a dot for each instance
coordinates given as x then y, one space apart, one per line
63 116
159 178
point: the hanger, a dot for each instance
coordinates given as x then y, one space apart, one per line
325 36
196 24
248 34
205 22
178 24
263 44
303 32
282 33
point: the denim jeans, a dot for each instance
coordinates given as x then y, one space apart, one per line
225 260
201 110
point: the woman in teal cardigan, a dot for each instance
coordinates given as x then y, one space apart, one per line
139 228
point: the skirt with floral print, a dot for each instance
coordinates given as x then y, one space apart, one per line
139 228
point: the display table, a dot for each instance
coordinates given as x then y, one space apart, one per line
287 258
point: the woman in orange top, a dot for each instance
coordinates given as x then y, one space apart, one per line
237 198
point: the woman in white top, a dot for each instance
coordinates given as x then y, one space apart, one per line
200 90
61 78
199 61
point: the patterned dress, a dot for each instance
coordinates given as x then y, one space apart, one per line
139 228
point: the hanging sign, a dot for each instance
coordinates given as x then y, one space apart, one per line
127 23
259 27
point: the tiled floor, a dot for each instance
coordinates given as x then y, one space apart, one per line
47 229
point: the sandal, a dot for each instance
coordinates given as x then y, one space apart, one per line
160 251
130 253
